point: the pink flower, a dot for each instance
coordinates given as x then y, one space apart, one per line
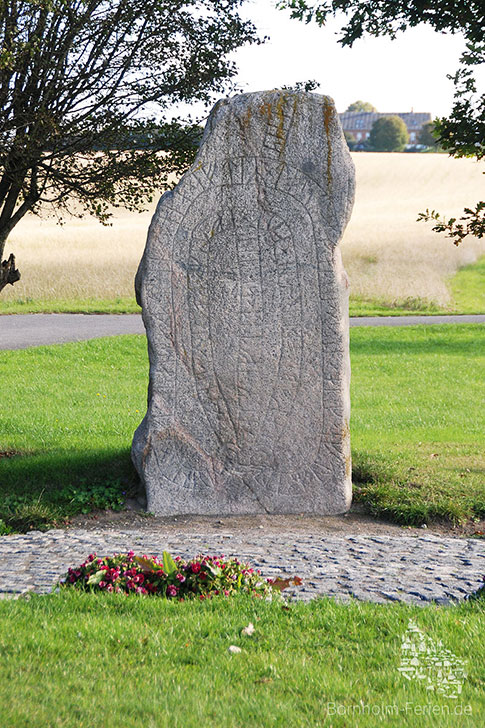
102 584
180 578
109 588
139 579
171 591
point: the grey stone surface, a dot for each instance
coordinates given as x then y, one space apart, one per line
413 569
245 303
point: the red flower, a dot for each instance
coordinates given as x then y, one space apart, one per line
195 568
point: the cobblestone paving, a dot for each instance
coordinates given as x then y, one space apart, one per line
411 569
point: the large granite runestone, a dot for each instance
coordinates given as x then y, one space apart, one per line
245 303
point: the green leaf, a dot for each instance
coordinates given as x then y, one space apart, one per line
94 579
169 565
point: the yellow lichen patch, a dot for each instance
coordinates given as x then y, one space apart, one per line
280 104
266 110
327 120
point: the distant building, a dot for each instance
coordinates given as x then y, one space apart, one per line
359 123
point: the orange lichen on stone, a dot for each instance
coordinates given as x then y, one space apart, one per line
266 110
280 131
327 120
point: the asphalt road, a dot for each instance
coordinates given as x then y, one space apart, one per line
25 330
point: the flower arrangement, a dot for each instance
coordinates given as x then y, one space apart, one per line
173 578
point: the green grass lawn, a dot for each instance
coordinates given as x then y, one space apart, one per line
417 421
81 660
467 290
90 305
69 412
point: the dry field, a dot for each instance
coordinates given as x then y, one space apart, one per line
388 255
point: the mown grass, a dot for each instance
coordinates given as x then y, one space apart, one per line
88 305
69 412
83 660
468 288
417 422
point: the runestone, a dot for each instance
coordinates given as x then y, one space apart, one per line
245 303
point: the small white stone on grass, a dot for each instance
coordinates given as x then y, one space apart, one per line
234 650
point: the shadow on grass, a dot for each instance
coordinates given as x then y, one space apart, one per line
389 493
41 490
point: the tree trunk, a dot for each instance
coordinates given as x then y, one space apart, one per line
8 272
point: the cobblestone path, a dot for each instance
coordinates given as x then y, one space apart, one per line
412 569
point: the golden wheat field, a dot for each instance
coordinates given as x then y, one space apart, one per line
388 255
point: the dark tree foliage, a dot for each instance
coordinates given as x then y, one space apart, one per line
82 82
388 134
462 133
388 17
427 135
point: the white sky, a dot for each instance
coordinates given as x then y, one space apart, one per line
394 75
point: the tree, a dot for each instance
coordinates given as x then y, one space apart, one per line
427 136
462 133
81 79
361 106
388 134
350 139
